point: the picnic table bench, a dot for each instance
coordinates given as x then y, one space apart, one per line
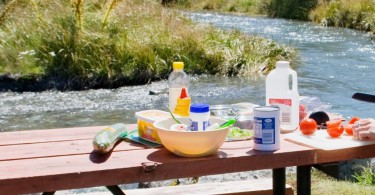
60 159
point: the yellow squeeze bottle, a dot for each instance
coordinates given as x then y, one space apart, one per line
183 104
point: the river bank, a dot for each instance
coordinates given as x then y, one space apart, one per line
94 44
354 14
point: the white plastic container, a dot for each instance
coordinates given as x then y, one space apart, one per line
176 81
282 91
145 120
199 117
266 128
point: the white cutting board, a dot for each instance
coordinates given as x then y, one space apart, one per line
321 140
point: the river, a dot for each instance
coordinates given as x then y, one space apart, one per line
335 63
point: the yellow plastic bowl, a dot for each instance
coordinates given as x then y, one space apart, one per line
191 143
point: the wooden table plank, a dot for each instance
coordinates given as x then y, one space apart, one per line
88 170
51 135
327 156
48 149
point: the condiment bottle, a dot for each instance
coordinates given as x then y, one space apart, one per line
183 104
176 81
199 117
280 93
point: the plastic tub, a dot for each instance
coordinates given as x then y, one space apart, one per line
145 120
223 111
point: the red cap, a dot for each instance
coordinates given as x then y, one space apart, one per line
183 93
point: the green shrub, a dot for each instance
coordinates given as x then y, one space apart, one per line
291 9
367 177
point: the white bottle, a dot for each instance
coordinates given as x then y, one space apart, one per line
282 93
199 117
176 81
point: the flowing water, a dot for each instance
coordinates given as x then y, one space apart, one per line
335 63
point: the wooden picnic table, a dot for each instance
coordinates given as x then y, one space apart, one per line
60 159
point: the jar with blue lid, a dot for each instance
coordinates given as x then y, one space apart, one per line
199 117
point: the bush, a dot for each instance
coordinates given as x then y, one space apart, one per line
291 9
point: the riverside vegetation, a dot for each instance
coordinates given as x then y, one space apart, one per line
75 45
323 184
356 14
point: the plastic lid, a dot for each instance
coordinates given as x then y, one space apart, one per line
199 108
282 64
178 65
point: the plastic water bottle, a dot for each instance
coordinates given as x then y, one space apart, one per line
177 80
282 91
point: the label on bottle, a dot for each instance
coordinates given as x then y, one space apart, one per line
285 106
174 94
199 125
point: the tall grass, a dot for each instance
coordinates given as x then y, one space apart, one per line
291 9
366 177
322 184
356 14
126 42
240 6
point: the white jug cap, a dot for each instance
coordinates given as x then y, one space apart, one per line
282 64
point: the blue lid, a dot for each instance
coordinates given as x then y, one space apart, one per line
199 108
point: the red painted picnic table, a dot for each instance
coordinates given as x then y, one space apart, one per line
59 159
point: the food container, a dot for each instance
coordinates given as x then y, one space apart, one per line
145 120
199 117
223 111
267 128
245 122
245 116
242 112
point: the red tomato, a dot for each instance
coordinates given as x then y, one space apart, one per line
353 120
335 131
349 129
308 126
333 123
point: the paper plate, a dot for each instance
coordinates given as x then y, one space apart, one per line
237 134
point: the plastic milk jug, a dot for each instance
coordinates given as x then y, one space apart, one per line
282 91
177 80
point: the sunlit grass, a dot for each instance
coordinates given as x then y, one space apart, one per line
132 41
356 14
323 184
238 6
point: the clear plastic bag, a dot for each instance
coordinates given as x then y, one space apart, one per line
313 104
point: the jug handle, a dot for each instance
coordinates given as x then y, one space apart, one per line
294 80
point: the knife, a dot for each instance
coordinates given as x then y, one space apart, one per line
364 97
